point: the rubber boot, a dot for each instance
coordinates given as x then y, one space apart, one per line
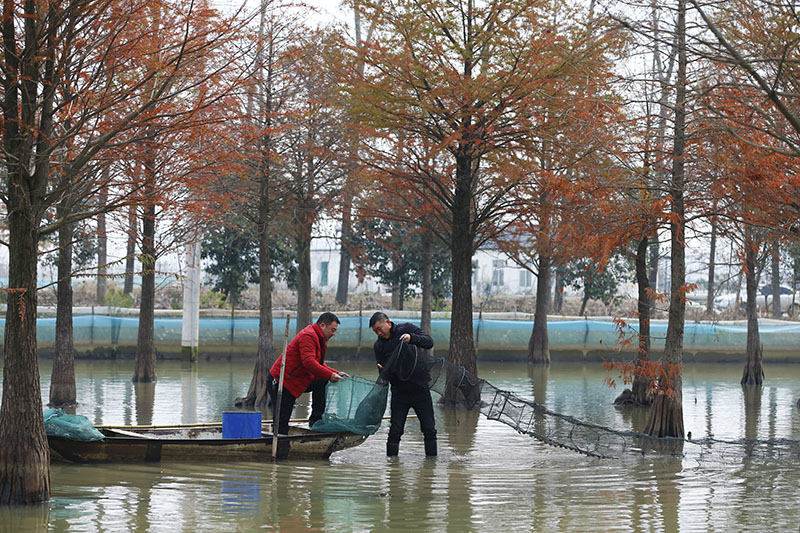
392 449
430 448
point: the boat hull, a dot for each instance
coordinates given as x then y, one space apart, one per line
196 443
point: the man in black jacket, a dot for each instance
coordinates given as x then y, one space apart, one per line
409 388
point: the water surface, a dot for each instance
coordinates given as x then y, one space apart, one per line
487 477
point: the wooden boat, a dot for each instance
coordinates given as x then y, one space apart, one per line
196 442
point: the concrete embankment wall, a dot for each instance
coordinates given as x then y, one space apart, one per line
498 337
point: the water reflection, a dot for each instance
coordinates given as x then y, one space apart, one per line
658 493
633 417
487 476
408 487
752 408
141 497
145 394
28 518
539 374
461 427
241 493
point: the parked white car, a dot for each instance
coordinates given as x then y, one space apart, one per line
727 301
790 303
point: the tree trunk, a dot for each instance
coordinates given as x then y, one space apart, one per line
145 371
257 395
665 418
753 370
62 378
130 252
427 281
102 246
712 261
538 345
462 344
643 300
584 301
28 82
640 392
776 280
257 392
401 296
666 414
303 244
738 300
795 304
233 327
395 295
640 388
652 278
24 453
342 285
461 351
558 293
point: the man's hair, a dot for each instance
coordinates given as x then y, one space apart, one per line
327 318
377 317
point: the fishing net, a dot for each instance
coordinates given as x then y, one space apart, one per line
357 405
353 404
563 431
458 386
57 423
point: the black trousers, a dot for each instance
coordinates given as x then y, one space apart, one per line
410 396
317 390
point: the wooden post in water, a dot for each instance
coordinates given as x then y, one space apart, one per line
276 413
360 313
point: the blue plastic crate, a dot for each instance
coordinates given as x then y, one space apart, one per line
241 425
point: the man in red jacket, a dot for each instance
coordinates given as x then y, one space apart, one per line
305 371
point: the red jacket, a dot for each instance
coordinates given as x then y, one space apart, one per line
305 361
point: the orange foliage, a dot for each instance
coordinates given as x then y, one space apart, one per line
660 376
20 302
756 181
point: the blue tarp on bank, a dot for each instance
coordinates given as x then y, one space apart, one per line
490 334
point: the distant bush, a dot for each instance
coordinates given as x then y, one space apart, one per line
212 300
117 298
169 296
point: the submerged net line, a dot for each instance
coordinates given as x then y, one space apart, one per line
455 383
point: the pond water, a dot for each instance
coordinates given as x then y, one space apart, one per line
487 477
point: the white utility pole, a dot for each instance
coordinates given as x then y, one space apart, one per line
190 331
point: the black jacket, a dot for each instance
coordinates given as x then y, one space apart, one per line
407 368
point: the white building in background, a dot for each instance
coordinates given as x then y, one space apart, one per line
493 273
325 256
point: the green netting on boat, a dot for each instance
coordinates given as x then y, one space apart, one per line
353 404
57 423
